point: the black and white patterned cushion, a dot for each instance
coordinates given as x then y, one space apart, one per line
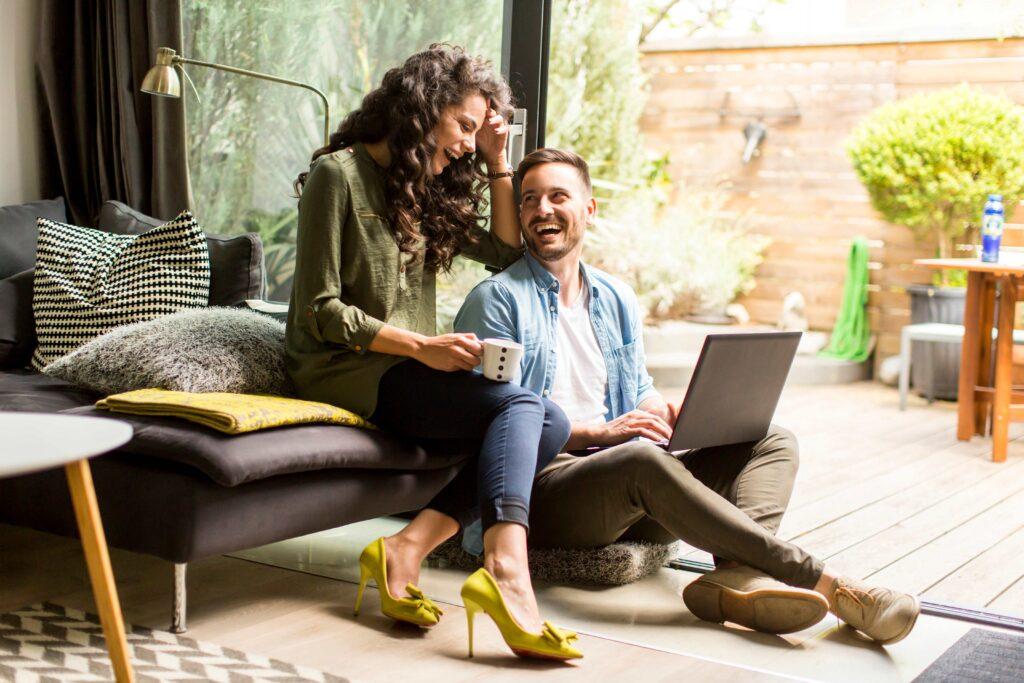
88 282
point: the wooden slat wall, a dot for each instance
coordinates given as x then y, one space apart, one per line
801 190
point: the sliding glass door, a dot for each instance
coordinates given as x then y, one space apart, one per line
248 139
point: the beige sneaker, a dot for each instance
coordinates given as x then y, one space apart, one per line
881 614
751 598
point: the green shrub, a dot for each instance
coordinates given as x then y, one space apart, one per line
687 258
929 161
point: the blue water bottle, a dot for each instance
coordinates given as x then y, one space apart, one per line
992 228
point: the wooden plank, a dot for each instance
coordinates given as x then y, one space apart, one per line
854 496
875 51
1010 600
956 70
925 567
982 579
822 477
780 54
1007 47
859 525
832 462
909 534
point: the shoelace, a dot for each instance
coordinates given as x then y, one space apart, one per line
424 602
857 596
557 635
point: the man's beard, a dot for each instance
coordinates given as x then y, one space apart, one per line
552 252
549 253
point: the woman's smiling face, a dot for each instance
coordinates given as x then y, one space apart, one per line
455 133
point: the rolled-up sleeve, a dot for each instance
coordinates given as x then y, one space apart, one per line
489 249
324 209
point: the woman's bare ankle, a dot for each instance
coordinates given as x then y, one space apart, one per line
513 577
403 563
506 568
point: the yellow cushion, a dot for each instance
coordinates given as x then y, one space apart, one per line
230 413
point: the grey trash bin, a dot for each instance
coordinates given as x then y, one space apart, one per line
935 369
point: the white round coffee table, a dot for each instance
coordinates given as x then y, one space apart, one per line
30 442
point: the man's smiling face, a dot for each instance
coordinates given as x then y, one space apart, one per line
555 211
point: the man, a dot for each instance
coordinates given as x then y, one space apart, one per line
583 336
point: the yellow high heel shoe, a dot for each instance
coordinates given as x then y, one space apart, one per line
418 610
480 593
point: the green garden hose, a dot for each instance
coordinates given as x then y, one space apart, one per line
851 335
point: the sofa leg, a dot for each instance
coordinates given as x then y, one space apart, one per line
180 593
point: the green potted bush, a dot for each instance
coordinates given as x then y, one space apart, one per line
928 162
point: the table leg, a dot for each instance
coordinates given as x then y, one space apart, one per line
94 543
1004 369
983 409
966 425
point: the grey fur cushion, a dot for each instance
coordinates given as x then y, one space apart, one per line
198 350
612 565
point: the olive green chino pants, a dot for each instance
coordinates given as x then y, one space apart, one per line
727 500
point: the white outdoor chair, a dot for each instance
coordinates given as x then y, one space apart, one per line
931 332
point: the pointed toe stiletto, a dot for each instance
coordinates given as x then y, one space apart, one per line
418 609
480 593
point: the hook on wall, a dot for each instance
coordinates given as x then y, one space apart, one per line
755 132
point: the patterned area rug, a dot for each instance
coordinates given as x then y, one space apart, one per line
48 642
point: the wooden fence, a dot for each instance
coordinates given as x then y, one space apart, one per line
801 190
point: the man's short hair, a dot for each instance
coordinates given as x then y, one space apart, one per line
549 155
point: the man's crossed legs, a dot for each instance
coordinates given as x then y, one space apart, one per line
727 500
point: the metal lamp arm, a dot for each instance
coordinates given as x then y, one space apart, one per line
178 59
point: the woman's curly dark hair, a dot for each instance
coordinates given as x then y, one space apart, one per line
404 110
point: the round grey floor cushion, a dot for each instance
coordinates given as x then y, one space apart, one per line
197 350
612 565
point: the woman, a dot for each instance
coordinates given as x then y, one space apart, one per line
388 203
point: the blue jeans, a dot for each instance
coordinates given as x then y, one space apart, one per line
519 433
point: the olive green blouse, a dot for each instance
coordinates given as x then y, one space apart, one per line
351 279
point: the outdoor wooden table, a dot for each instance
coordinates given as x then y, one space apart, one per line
980 394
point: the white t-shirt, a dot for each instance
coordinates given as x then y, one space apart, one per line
581 377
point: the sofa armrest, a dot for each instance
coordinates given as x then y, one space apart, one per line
17 322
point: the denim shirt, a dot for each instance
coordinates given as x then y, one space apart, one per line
521 304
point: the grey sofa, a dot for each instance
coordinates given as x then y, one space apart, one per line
181 491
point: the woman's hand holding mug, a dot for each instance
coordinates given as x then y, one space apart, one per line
450 352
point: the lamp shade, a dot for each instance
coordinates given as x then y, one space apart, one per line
162 79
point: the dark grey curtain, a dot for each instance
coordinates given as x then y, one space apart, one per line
105 139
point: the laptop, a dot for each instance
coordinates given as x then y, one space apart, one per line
734 390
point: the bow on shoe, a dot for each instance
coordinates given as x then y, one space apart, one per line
424 602
557 635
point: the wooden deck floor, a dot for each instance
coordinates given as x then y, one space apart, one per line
894 498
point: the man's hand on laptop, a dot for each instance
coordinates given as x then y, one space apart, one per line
623 428
669 412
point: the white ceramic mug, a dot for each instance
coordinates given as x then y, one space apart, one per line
501 359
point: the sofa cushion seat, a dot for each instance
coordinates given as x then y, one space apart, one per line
27 390
231 460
